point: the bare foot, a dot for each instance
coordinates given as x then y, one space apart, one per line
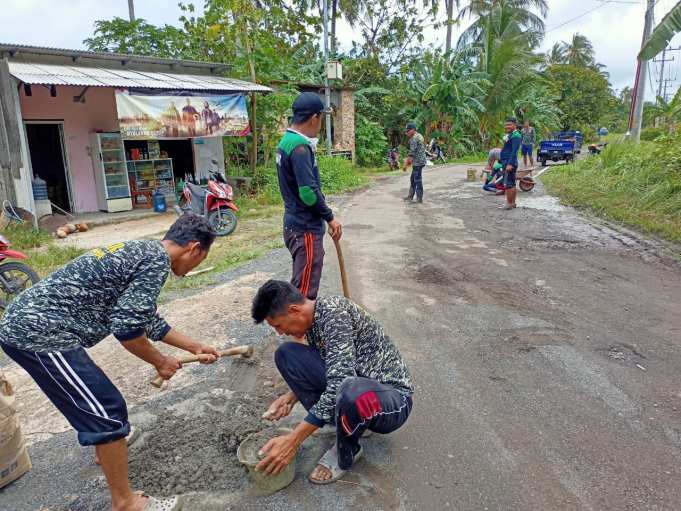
136 502
97 460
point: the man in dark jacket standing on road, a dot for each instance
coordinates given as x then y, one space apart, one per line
416 157
509 160
305 209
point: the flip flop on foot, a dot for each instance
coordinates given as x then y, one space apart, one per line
327 470
161 504
508 206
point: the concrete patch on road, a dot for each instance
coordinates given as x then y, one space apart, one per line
542 202
590 378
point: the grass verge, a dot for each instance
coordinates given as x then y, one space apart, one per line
637 185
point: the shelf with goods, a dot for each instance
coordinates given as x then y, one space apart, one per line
150 175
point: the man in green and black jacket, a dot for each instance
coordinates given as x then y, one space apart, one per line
305 209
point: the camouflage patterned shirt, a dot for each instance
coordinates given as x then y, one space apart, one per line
352 343
107 291
417 150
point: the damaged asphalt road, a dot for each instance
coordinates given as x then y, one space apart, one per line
544 347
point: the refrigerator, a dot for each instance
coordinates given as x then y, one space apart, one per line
111 172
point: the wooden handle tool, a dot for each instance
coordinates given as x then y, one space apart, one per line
344 276
244 351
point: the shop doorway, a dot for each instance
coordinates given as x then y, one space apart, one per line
180 151
46 148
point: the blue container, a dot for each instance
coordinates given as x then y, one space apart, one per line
39 189
159 202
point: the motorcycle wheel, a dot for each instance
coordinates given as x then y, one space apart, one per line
222 221
16 277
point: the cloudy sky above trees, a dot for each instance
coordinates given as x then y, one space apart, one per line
614 27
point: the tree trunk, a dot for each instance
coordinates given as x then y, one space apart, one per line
450 18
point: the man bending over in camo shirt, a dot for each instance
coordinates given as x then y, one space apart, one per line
349 374
107 291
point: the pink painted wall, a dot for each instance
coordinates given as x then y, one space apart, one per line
80 119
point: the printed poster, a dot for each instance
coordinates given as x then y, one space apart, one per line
154 117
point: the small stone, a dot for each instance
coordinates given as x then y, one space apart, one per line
268 383
450 455
405 448
654 405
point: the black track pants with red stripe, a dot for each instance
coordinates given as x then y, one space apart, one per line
307 251
361 403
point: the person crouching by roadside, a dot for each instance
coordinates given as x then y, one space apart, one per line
349 374
111 290
494 172
509 160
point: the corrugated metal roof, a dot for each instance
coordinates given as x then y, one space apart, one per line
51 74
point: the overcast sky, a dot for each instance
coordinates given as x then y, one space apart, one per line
615 27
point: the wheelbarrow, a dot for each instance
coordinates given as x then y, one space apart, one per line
526 180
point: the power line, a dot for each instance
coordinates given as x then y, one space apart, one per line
578 17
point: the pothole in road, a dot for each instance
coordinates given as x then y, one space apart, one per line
429 274
359 227
555 243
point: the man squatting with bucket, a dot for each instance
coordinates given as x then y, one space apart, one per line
349 374
106 291
305 209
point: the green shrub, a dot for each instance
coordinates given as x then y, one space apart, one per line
371 146
338 174
639 185
650 134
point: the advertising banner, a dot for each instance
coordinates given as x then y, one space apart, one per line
154 117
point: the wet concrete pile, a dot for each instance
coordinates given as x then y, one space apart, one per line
186 452
190 444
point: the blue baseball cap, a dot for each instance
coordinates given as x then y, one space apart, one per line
306 105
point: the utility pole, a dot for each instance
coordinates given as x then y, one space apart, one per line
667 81
327 91
131 10
662 80
636 113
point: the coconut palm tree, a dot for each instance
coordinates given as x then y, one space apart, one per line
527 15
579 51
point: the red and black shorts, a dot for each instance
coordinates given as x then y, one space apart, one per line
307 251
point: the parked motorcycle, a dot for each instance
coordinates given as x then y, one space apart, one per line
435 152
14 276
393 159
216 203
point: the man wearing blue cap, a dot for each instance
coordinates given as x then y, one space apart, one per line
305 209
416 157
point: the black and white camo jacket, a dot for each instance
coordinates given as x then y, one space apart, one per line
112 290
352 343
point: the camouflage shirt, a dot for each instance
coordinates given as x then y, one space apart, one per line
417 150
107 291
352 343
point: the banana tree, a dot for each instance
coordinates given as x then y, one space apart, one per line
662 34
